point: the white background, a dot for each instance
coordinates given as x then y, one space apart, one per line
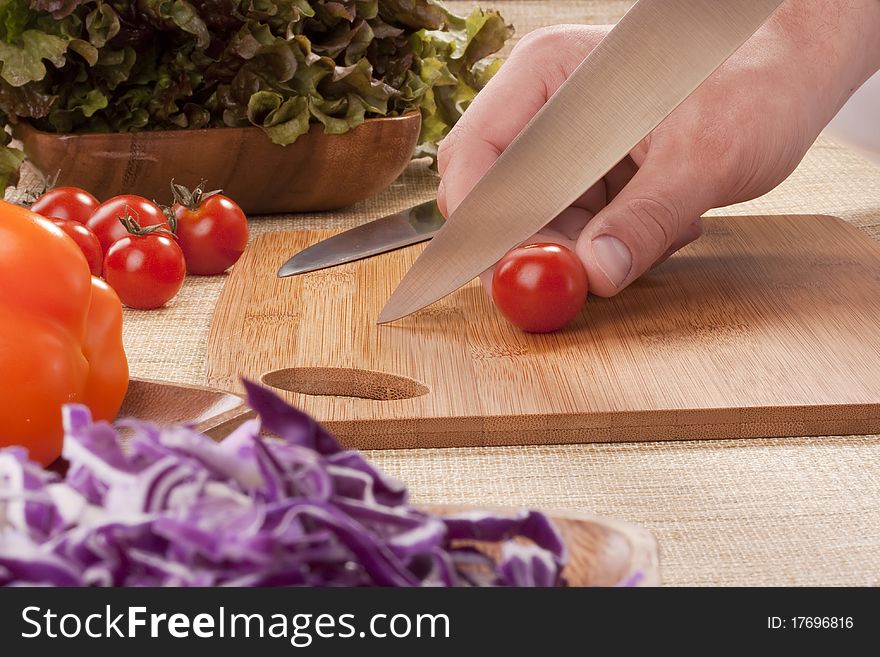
858 123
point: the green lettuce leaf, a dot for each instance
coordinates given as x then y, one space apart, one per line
23 61
283 120
102 24
15 15
358 79
10 163
415 14
281 65
454 66
180 14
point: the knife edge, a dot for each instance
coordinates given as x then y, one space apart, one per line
405 228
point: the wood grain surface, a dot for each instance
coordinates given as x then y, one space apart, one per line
768 326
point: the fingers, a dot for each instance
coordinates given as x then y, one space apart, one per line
441 199
690 234
652 216
569 225
536 68
594 199
618 178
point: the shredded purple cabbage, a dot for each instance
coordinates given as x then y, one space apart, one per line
178 509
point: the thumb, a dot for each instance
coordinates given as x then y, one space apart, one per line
652 216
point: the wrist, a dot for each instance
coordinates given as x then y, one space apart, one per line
835 42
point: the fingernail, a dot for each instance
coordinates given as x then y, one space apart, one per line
613 258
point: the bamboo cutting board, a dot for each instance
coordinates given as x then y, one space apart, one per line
768 326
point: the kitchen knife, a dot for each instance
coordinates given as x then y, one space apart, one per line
645 67
411 226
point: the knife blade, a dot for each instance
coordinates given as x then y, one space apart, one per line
653 59
395 231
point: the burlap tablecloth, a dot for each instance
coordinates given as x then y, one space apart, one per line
790 511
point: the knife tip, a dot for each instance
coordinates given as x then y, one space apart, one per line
387 316
288 270
392 311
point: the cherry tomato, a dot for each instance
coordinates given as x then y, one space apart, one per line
105 221
146 271
85 240
66 203
213 233
540 288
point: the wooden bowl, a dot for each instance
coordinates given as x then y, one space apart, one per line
212 412
603 552
317 172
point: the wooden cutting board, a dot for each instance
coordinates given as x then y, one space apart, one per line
768 326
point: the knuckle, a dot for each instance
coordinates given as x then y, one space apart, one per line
538 39
654 223
553 52
444 153
545 51
560 41
449 146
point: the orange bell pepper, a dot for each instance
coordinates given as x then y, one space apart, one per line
60 335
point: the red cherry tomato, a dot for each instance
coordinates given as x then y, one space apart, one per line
540 288
146 271
66 203
105 221
85 240
213 235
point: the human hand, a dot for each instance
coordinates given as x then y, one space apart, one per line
737 137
